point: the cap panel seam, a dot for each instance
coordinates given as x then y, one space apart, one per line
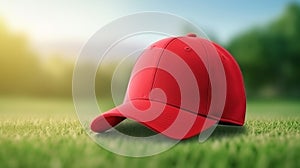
208 81
154 76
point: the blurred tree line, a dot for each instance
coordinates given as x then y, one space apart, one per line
18 64
24 73
269 57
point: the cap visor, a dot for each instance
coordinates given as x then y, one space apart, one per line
171 122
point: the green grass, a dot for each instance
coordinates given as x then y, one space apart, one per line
46 133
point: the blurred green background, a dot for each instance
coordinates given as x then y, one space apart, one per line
268 55
39 42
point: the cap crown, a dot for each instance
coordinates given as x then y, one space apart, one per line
149 73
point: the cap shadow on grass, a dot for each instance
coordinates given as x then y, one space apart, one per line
220 131
129 128
135 129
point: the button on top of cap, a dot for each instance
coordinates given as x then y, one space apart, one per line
191 35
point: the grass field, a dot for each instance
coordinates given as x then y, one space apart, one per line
46 133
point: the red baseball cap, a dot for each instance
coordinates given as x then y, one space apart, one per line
170 90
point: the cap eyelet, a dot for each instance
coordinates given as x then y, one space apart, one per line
187 48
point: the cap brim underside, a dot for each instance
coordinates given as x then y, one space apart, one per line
172 122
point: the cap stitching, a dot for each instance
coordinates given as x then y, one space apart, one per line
208 82
210 117
154 76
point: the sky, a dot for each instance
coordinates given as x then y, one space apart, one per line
64 26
